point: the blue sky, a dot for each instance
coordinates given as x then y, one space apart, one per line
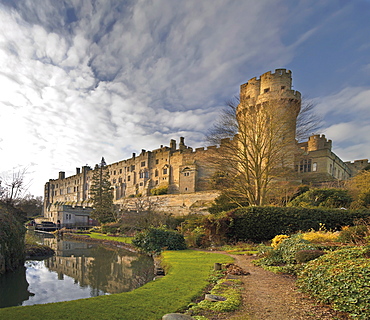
84 79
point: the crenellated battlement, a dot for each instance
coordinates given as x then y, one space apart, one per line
318 142
278 83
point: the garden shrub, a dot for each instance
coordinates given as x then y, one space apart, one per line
264 223
323 197
304 256
320 236
289 247
111 228
278 239
159 190
354 234
342 279
155 240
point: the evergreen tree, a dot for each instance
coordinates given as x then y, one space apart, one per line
101 194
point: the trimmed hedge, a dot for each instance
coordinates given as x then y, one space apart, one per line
264 223
155 240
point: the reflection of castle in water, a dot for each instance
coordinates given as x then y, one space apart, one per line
107 269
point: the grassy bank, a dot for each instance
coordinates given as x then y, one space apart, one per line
101 236
187 273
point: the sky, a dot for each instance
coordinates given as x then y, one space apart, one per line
82 79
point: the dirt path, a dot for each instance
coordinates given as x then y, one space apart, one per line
269 296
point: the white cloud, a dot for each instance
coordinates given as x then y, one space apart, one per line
110 78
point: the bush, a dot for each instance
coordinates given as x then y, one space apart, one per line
159 190
11 240
154 240
264 223
289 247
354 235
341 278
320 236
304 256
278 239
111 228
285 251
324 197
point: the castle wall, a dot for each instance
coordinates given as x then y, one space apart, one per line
187 173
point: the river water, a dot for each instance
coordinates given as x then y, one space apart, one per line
78 270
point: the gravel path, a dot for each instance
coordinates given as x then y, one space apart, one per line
269 296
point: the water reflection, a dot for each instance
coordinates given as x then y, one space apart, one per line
78 270
14 288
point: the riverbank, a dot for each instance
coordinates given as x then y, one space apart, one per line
187 273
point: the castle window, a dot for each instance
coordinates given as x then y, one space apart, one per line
114 180
282 87
128 178
120 170
314 166
141 184
114 172
132 168
142 163
266 90
157 161
146 174
156 182
186 189
305 165
120 180
156 173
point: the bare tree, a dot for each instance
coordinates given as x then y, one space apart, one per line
12 187
257 146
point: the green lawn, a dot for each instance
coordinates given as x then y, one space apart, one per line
102 236
187 273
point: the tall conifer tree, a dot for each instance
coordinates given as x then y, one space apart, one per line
101 193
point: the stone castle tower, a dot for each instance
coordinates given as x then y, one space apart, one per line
273 89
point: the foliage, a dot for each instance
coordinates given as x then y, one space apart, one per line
11 240
282 258
159 190
111 228
359 234
226 203
263 223
359 187
142 213
101 194
342 279
289 247
227 288
30 205
278 239
304 256
321 235
188 272
323 197
155 240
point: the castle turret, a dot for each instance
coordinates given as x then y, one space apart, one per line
274 89
317 142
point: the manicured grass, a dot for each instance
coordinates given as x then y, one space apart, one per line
110 238
187 273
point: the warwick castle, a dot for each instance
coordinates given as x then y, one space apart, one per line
185 172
